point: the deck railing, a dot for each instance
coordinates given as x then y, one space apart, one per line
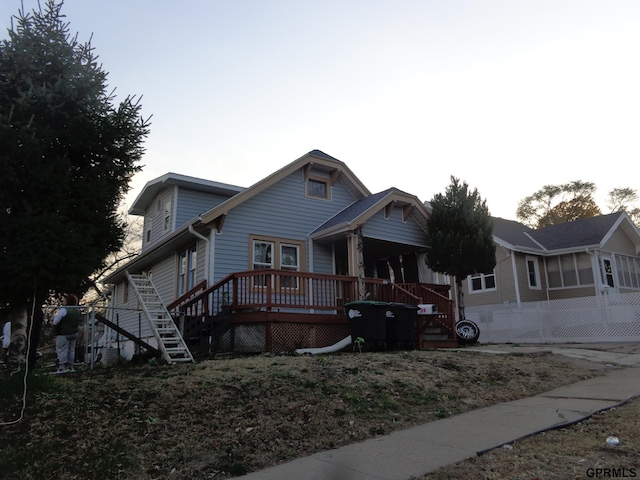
205 315
269 290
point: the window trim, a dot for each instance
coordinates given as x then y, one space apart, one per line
536 272
278 243
576 270
318 179
190 254
148 231
482 277
604 274
633 271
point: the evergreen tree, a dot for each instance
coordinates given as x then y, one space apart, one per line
460 236
67 155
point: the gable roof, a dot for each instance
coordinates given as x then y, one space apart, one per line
577 235
513 235
314 158
361 210
588 232
153 187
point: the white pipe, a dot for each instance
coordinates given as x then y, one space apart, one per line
336 347
207 271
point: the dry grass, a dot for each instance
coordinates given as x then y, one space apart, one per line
226 417
578 452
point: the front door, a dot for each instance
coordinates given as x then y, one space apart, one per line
608 277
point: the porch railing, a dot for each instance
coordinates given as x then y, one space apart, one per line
270 290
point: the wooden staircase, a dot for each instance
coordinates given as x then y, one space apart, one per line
170 342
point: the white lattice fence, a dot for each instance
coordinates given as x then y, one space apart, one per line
610 318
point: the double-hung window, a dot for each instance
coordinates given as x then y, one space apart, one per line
482 282
279 254
533 273
187 265
262 259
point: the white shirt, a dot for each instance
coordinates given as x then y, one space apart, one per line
58 317
6 335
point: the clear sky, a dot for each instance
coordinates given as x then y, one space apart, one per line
506 95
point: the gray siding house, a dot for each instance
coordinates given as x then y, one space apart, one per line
269 267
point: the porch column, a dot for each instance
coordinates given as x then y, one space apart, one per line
355 252
362 291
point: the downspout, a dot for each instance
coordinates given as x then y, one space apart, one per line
516 280
207 273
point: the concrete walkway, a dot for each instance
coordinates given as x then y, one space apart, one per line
428 447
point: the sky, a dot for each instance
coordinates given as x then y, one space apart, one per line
506 95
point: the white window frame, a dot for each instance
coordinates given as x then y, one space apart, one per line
628 271
187 269
483 282
576 271
535 272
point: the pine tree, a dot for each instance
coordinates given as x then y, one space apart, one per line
460 236
67 155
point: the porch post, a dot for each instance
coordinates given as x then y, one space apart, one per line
362 290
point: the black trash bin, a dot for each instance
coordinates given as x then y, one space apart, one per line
401 321
368 320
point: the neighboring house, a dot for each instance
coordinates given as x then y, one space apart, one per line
576 263
573 259
268 268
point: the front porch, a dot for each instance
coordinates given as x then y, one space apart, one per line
281 311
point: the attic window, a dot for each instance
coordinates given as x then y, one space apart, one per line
318 188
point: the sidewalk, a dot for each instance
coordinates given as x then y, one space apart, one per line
428 447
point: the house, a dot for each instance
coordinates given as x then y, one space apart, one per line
560 270
269 267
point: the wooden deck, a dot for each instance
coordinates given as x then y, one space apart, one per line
278 311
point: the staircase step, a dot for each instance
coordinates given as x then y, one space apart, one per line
170 342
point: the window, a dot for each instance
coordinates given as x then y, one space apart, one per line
482 282
628 271
147 230
569 270
533 273
262 259
276 254
187 265
318 188
166 219
585 269
289 260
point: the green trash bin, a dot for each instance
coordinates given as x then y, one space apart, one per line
401 320
368 320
